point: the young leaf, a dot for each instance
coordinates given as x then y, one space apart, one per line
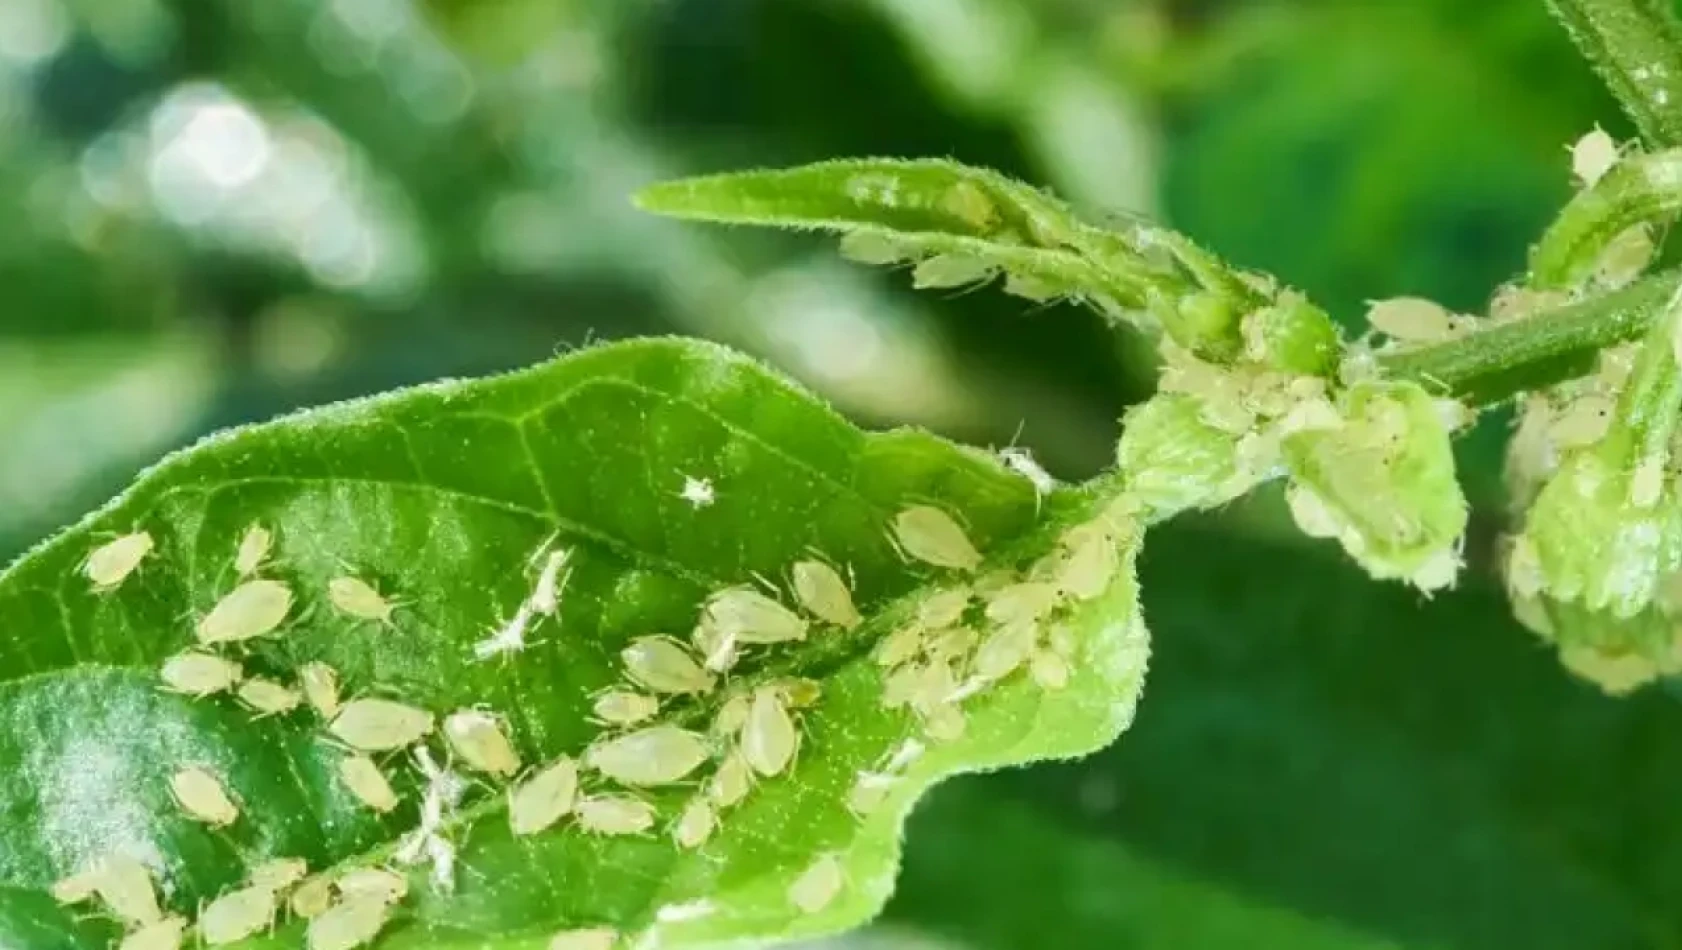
452 502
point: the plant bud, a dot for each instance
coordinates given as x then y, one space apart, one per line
1172 459
1292 336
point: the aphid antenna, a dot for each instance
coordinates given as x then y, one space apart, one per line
767 583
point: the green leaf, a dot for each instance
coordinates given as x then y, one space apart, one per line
439 497
1636 46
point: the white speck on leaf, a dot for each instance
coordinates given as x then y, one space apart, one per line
698 492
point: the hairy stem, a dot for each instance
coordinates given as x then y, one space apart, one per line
1492 365
1636 46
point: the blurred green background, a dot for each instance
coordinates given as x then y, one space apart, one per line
218 211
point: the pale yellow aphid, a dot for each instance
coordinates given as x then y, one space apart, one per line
112 562
615 815
1089 562
1583 422
126 887
818 886
253 550
949 270
367 783
1003 651
621 708
479 740
864 247
664 666
354 922
356 598
1024 602
936 683
252 609
658 755
321 688
1410 319
380 725
822 591
695 824
201 795
165 934
1592 156
797 691
585 938
717 646
1061 639
869 791
378 883
537 803
733 715
279 874
313 897
1049 670
732 782
899 646
944 722
1646 483
1625 256
944 608
933 537
769 738
237 915
268 698
900 685
748 616
970 205
200 674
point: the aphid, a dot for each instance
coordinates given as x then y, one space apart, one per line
201 795
944 722
78 887
953 644
664 666
944 608
313 897
1024 602
899 646
1049 670
1592 156
355 597
732 782
658 755
621 708
537 803
112 562
869 790
698 492
797 691
165 934
253 550
751 617
268 698
1089 562
769 739
279 874
970 205
901 685
949 270
716 645
321 688
1625 256
380 725
478 738
930 535
615 815
586 938
1410 319
1583 422
1032 288
551 582
695 825
818 885
1646 483
820 589
126 887
1021 461
237 915
733 715
1003 651
378 883
509 638
367 783
252 609
353 923
934 688
879 250
200 674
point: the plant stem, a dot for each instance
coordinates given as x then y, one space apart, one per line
1492 365
1636 46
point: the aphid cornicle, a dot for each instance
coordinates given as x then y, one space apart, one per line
751 617
268 698
585 938
770 737
200 674
253 550
367 783
695 824
278 874
615 815
125 886
818 886
165 934
380 725
353 922
933 537
253 609
479 740
621 708
237 915
321 688
201 795
111 563
355 597
378 883
664 666
537 803
822 591
658 755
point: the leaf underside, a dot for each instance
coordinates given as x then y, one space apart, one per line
438 497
